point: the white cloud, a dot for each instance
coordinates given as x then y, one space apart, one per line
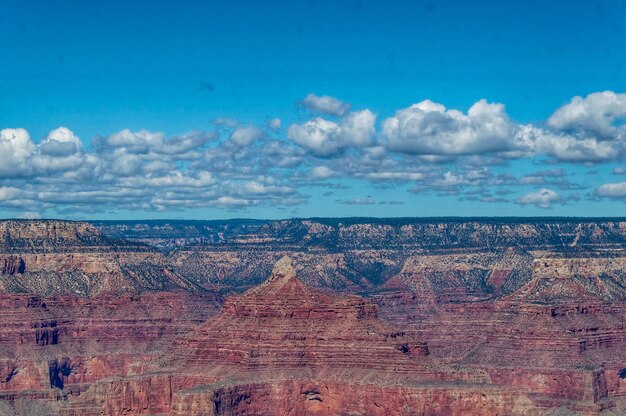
429 128
143 170
8 193
357 128
61 142
593 115
185 146
321 172
225 122
325 104
583 130
179 179
136 142
147 142
451 179
439 150
612 190
228 201
61 150
316 135
16 148
567 147
543 198
325 138
245 136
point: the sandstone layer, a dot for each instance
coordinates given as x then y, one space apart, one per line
398 316
286 348
60 257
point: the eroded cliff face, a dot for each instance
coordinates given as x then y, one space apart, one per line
284 323
54 349
387 317
453 261
57 257
286 348
318 398
457 261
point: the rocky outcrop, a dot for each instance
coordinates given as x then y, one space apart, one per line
14 265
340 234
53 350
461 261
284 323
58 257
306 397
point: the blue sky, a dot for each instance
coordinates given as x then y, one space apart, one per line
94 93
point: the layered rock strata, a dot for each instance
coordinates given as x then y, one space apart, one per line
286 348
59 257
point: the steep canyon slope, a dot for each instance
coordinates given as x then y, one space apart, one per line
358 316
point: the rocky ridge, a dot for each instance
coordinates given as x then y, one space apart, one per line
60 257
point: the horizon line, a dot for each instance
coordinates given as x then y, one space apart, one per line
452 218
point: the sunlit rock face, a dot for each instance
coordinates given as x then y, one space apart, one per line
285 324
313 318
60 257
456 260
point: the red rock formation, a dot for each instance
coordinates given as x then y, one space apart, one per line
523 329
60 257
286 348
56 348
285 324
320 398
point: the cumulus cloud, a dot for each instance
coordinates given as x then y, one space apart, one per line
143 170
541 177
135 141
595 115
325 138
392 176
61 142
16 148
317 135
543 198
325 104
61 150
427 147
225 122
321 172
186 145
245 136
583 130
8 193
612 190
569 148
429 128
147 142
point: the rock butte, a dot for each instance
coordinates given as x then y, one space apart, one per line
96 321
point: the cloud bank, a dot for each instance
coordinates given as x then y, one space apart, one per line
425 147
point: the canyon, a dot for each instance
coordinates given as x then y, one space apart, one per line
351 316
